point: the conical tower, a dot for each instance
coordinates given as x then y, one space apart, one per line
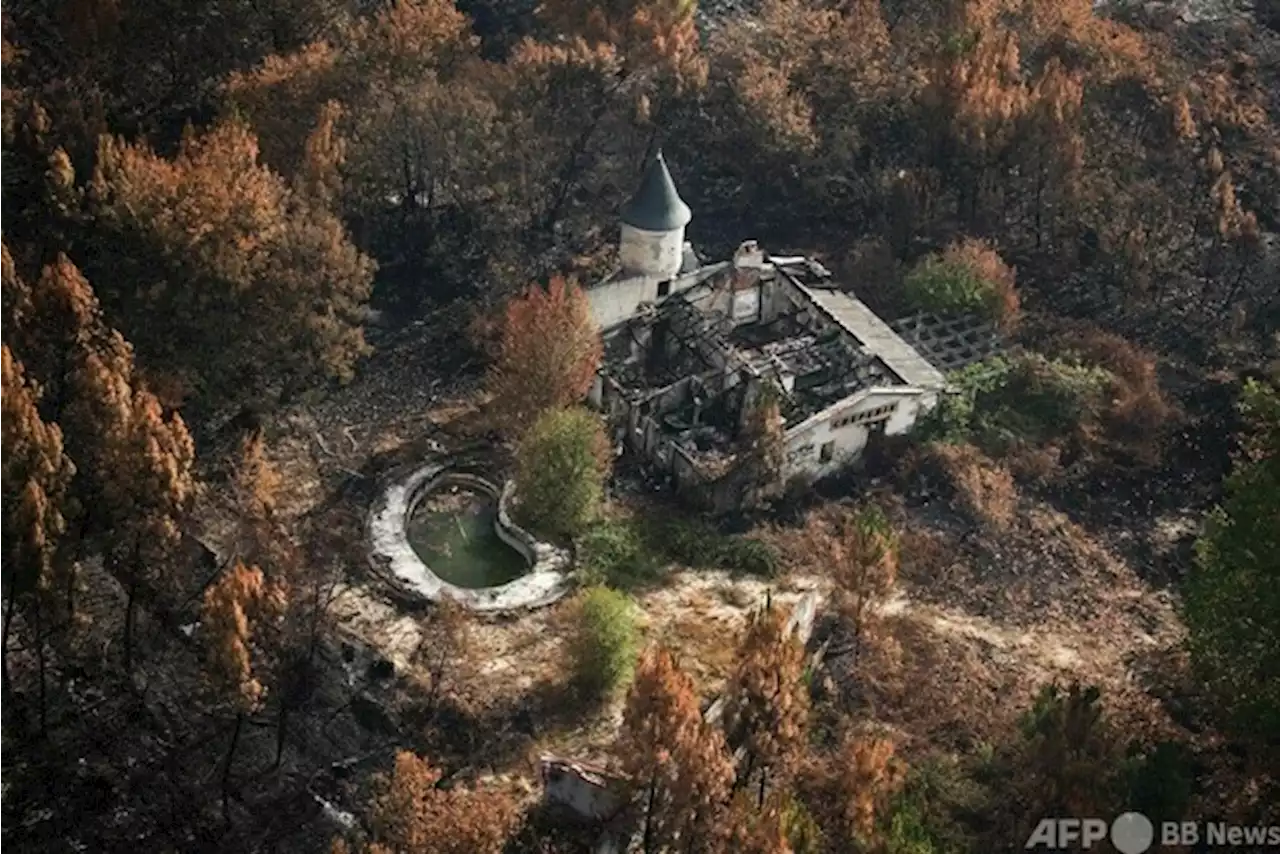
653 222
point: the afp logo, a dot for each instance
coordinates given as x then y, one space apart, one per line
1130 833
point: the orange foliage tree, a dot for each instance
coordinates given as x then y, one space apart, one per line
860 550
36 475
678 762
548 355
767 703
60 316
16 295
141 465
580 88
234 607
976 92
657 38
856 783
1054 142
411 814
381 70
791 88
213 241
60 322
759 827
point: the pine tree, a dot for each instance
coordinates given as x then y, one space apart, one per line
234 609
66 312
1054 141
861 778
758 826
15 297
141 467
411 814
1232 603
658 38
677 762
1069 751
36 476
767 703
223 242
860 550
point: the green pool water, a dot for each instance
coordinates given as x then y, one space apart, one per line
452 531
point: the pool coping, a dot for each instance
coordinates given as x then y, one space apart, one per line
549 577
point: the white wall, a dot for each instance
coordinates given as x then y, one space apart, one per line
658 254
805 440
616 300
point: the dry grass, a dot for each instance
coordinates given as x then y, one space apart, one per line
931 688
982 488
1138 416
925 556
1035 464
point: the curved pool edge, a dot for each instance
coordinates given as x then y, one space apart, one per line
390 553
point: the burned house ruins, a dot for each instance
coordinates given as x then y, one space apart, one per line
690 348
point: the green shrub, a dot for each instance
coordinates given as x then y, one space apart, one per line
691 543
1001 402
617 553
907 833
627 554
800 827
934 812
562 464
952 420
606 641
1160 782
698 544
967 277
749 555
1232 599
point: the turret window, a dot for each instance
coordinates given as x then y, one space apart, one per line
664 288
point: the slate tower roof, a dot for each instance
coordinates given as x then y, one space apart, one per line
656 206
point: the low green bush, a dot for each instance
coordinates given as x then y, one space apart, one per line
1001 402
749 555
605 643
698 544
800 828
631 553
967 277
617 553
937 809
1160 781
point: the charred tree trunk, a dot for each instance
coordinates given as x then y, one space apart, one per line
130 609
9 607
742 782
282 723
650 801
41 668
226 767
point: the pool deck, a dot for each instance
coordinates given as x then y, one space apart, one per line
390 552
